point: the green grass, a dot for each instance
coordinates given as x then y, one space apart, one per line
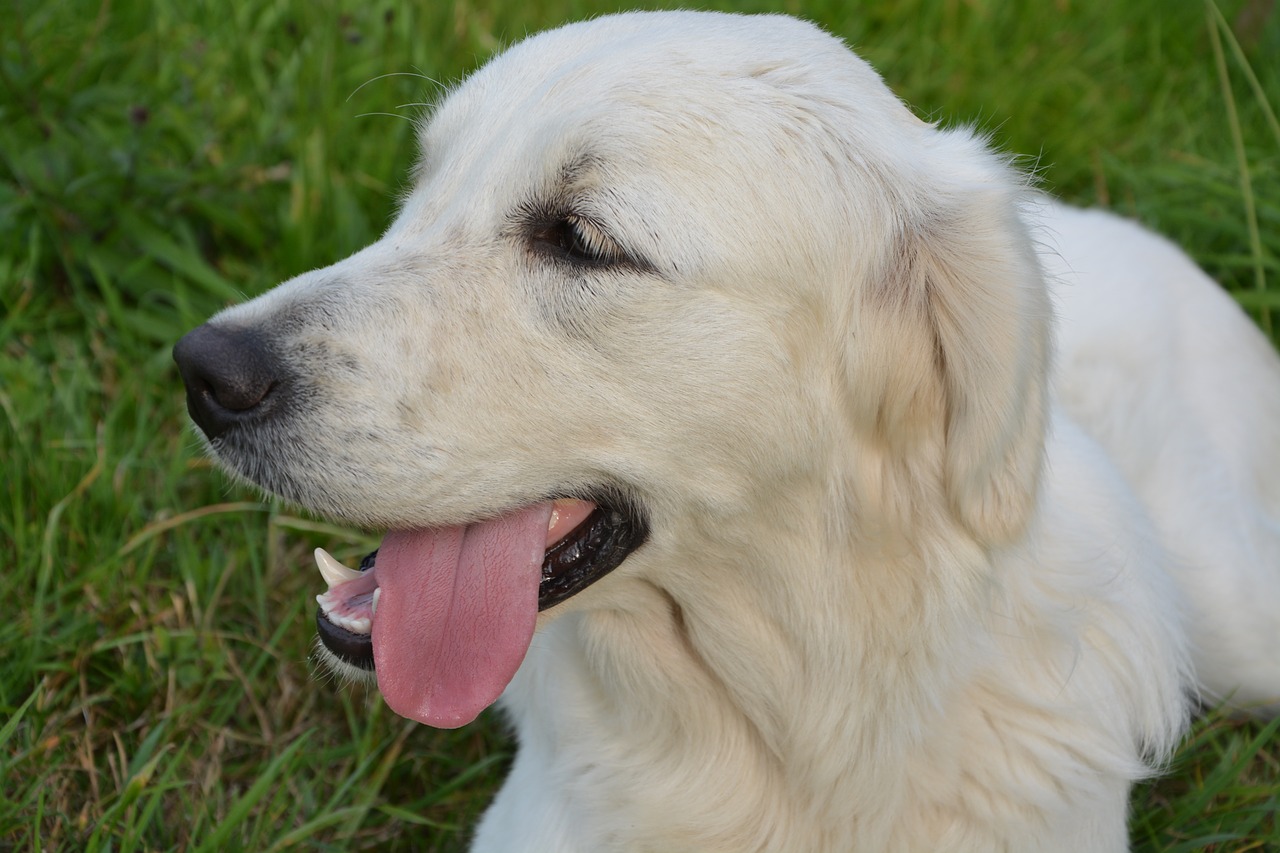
159 160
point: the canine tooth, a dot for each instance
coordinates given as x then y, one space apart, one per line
333 572
373 603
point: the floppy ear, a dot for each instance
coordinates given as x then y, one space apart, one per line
965 357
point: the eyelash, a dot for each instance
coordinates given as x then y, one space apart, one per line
576 239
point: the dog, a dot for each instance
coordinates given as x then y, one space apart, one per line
793 473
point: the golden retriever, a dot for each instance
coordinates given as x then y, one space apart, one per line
796 476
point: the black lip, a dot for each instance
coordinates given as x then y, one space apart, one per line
594 548
346 646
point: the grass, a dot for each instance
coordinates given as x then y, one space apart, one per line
159 160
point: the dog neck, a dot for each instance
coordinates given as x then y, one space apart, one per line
754 661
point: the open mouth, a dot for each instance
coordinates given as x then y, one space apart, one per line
584 541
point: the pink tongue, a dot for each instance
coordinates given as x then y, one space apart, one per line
456 614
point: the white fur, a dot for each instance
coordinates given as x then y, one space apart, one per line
904 590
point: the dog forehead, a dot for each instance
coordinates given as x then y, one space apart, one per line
670 107
660 122
639 49
618 76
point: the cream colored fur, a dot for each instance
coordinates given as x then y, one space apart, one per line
910 587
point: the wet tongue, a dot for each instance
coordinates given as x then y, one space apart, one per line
456 614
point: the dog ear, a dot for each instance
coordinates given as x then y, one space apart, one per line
963 355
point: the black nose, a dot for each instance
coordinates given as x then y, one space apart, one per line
231 376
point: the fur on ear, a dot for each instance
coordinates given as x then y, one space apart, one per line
963 355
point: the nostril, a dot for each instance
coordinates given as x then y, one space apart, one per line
232 389
229 374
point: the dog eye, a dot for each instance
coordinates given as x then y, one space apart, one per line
576 239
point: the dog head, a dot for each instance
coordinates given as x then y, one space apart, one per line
652 268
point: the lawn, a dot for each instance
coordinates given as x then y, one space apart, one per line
159 160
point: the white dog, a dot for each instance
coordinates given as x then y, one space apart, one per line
720 418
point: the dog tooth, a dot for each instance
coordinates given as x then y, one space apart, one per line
333 572
373 603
